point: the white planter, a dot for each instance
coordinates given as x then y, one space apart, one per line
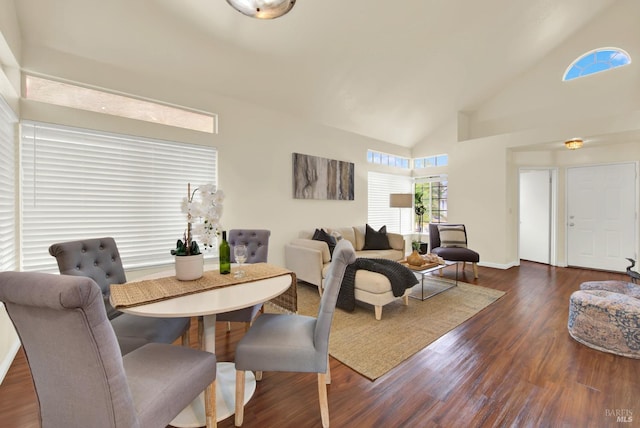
189 268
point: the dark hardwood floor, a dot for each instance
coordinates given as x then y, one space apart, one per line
512 365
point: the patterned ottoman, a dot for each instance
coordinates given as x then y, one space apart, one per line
606 321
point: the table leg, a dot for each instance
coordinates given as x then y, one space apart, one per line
194 415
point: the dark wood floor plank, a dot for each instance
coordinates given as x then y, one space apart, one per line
513 364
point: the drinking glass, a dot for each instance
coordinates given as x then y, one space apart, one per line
240 254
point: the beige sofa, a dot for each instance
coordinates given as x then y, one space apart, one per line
310 260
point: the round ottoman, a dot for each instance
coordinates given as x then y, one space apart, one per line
606 321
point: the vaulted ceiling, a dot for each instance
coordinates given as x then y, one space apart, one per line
393 71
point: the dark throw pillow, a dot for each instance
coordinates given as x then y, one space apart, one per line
376 240
322 235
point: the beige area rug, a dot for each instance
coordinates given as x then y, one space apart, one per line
372 348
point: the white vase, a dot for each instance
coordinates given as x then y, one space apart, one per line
189 268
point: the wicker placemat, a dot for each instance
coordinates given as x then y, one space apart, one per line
153 290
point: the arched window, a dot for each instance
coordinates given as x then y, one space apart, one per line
596 61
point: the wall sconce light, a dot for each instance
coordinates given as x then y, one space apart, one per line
574 143
262 9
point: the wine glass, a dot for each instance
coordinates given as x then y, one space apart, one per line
240 254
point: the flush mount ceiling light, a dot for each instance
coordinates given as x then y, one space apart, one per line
574 143
262 9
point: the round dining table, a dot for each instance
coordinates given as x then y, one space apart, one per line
208 304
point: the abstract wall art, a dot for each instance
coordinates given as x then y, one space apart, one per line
321 178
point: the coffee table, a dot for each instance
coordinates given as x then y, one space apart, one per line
435 286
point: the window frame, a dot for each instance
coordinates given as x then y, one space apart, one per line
8 217
581 70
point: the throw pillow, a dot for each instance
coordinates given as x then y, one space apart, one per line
322 235
376 240
452 236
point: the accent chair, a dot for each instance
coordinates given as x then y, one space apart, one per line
449 241
99 259
80 377
294 343
257 242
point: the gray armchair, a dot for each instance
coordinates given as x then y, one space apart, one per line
257 242
80 377
99 260
454 250
294 343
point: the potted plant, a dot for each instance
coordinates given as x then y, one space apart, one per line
203 207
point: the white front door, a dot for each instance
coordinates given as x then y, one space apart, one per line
601 216
535 215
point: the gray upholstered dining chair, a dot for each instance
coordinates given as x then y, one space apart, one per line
449 241
294 343
257 242
80 377
99 259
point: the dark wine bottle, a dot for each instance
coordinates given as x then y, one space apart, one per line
225 255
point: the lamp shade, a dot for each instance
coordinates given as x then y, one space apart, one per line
262 9
400 200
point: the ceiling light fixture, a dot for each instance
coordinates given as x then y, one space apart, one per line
574 143
263 9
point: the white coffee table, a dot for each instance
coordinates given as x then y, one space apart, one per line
208 304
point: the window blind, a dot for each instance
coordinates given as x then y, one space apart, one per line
8 224
80 183
380 186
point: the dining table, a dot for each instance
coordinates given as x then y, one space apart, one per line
207 303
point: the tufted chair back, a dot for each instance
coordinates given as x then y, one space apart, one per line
256 240
97 259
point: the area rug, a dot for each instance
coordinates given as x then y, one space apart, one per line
372 348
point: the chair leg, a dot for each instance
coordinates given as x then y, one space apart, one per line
324 402
258 376
210 405
239 398
405 300
201 333
475 270
378 311
185 340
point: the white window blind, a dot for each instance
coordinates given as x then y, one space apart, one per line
8 224
380 186
80 183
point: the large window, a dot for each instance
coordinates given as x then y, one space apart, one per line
79 183
8 224
386 159
430 202
380 186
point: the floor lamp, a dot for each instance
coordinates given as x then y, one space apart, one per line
400 200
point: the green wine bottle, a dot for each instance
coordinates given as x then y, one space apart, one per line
225 255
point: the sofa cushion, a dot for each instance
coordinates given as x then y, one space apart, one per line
452 236
346 233
390 254
322 235
376 239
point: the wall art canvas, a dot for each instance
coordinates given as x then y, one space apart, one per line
321 178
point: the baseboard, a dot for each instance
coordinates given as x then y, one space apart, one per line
8 358
503 266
